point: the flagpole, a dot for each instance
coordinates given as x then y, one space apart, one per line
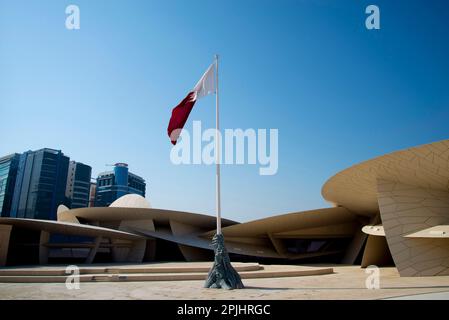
217 151
222 274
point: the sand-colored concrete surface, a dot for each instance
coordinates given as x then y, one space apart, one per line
168 271
424 296
123 268
347 282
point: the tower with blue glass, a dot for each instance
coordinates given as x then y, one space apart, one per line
121 179
114 184
8 173
40 184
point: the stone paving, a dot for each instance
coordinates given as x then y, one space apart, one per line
347 282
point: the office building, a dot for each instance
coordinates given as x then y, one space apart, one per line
114 184
78 185
40 184
8 172
93 193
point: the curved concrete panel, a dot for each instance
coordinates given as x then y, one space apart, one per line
107 214
67 216
190 253
376 252
292 222
5 232
377 230
355 188
407 209
68 228
438 232
197 242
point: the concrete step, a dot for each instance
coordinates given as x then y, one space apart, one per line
293 271
157 268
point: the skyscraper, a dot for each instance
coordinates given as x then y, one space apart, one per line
8 172
112 185
78 185
93 193
40 184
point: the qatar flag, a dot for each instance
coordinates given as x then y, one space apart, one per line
181 112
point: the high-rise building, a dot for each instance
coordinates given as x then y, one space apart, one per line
40 184
78 185
93 193
8 172
112 185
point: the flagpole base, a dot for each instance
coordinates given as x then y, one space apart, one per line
222 275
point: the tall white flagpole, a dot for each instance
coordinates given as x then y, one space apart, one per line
217 150
222 274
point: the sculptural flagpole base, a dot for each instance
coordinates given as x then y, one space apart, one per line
222 275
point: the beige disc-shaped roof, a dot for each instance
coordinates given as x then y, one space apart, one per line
62 227
424 166
136 207
131 201
290 224
102 214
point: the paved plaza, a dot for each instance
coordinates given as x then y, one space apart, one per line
346 282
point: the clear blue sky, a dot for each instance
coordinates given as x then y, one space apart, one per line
337 92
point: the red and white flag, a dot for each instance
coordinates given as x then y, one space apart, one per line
181 112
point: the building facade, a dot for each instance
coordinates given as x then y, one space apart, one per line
93 193
78 185
8 173
40 184
114 184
